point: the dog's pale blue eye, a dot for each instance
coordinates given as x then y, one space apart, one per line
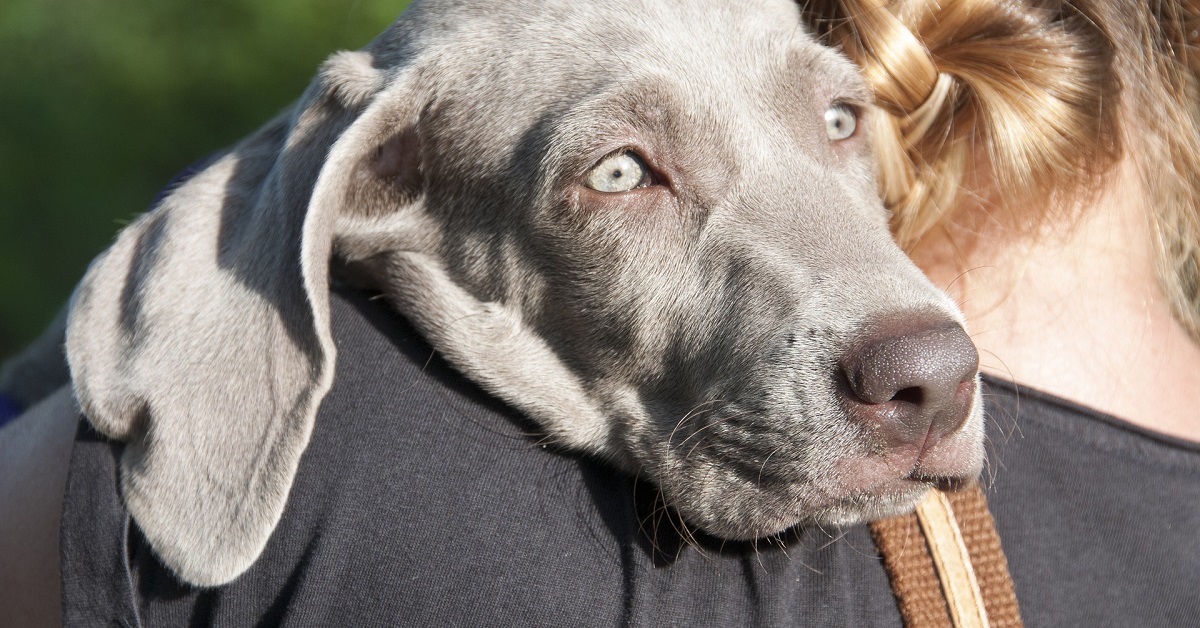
619 172
840 121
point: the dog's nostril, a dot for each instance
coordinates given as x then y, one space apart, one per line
911 377
913 395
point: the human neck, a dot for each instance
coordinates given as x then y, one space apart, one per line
1077 312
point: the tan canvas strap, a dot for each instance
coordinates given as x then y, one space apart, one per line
952 561
946 565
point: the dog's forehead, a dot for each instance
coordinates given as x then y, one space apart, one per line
535 43
534 59
530 16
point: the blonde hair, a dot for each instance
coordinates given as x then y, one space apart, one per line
1033 101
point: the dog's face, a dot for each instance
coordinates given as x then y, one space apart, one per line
651 226
678 203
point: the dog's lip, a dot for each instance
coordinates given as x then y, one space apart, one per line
787 514
889 486
941 482
945 465
875 476
914 480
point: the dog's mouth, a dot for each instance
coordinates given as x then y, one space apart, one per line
844 477
771 509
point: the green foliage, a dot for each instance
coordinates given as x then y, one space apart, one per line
102 102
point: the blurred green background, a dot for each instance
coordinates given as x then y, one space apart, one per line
102 101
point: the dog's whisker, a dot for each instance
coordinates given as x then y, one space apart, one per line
713 424
763 466
695 411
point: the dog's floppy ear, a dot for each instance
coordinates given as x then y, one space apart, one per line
202 337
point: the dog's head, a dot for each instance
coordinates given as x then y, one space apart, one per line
652 227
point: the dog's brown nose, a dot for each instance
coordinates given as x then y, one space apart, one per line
912 377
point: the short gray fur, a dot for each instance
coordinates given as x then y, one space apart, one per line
688 333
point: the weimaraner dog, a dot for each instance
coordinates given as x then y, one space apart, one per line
652 227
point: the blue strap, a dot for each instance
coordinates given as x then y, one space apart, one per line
9 409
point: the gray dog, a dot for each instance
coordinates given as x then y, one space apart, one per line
650 226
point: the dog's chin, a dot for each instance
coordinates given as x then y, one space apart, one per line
894 499
898 499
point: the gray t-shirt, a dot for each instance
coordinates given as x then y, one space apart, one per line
1100 519
421 501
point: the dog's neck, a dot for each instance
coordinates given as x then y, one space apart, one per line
1077 311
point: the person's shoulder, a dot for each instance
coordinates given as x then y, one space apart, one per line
34 457
387 377
1077 491
397 409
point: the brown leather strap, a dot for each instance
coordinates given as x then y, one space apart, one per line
966 566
